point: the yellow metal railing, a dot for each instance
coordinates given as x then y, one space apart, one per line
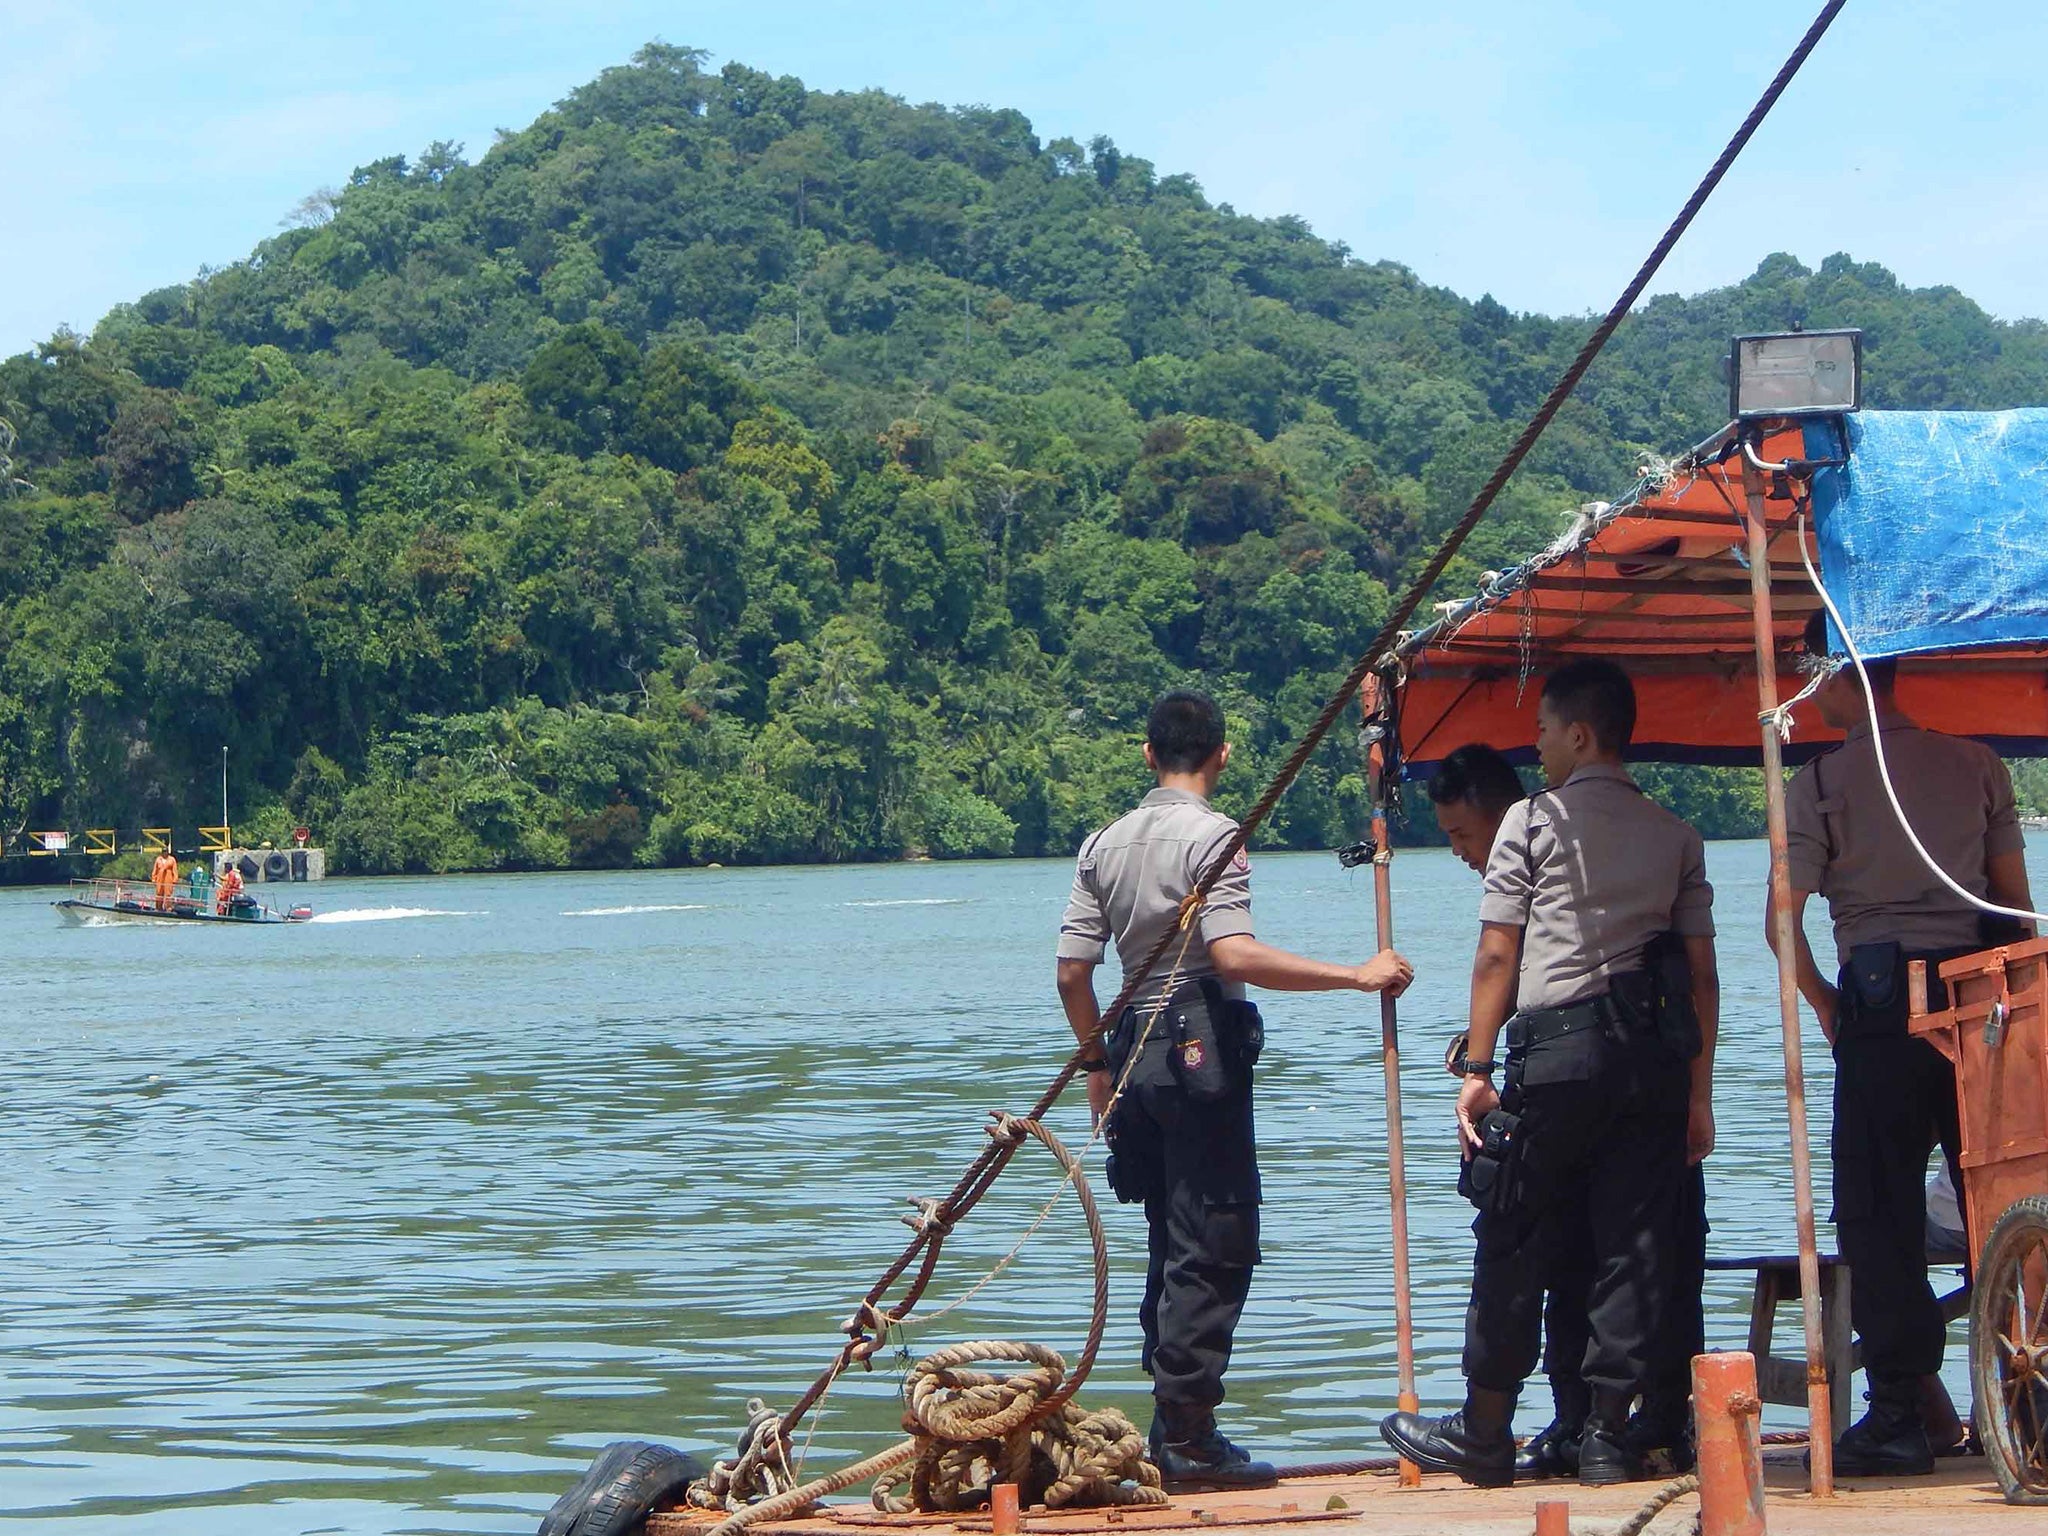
101 840
156 839
48 845
215 839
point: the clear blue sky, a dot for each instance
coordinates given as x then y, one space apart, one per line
1530 148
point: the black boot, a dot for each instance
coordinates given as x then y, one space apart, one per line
1606 1453
1477 1442
1662 1435
1553 1451
1889 1440
1191 1453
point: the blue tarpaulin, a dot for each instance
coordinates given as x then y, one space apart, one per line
1934 535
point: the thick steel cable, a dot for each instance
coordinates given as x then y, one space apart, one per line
985 1168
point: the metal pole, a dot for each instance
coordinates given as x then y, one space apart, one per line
1390 1066
1820 1416
223 786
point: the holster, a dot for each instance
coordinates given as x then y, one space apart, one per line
1491 1178
1131 1178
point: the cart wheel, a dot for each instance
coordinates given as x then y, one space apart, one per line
2009 1350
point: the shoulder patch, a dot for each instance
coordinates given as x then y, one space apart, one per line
1242 863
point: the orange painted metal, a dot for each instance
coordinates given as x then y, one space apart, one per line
1731 1452
1660 588
1002 1509
1553 1518
1995 1030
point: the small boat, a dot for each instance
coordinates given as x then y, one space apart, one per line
94 902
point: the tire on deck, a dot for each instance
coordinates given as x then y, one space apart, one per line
628 1481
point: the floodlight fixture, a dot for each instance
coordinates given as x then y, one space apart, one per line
1795 373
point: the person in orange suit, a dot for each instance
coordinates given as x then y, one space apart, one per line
230 887
163 874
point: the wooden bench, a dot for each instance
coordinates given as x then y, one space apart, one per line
1782 1379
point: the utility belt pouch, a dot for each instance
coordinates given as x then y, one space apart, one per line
1206 1041
1873 992
1491 1178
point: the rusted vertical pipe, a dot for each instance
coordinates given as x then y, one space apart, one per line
1731 1449
1390 1066
1553 1518
1820 1415
1002 1509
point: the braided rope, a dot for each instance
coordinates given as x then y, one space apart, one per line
1670 1493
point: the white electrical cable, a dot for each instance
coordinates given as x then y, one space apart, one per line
1884 773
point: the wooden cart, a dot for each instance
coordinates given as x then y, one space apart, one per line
1995 1031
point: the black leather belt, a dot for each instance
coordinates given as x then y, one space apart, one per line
1538 1026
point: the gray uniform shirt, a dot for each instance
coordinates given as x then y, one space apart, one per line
1845 842
1132 876
1590 872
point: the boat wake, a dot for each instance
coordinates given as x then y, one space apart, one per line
915 901
382 914
684 906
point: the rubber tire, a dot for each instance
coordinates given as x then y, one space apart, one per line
2024 1224
276 866
627 1482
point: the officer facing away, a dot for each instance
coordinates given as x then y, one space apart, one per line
1596 934
1181 1136
1895 1096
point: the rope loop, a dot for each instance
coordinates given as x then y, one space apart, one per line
760 1471
973 1428
948 1402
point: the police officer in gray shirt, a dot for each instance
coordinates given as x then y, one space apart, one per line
1895 1096
1596 933
1180 1137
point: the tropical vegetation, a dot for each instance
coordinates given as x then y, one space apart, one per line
718 469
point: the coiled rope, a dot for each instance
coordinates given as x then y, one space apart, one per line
871 1319
969 1428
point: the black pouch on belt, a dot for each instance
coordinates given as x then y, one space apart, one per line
1873 992
1205 1041
1491 1178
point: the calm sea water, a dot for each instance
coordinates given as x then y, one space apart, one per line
385 1223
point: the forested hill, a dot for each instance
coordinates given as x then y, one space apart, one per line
722 470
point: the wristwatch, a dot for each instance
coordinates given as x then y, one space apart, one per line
1099 1064
1480 1068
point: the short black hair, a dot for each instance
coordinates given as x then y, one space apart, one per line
1479 776
1884 672
1594 692
1184 730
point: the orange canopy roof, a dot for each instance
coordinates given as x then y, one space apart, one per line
1659 582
